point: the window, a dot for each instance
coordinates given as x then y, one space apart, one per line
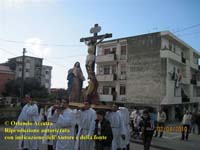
195 57
170 46
198 91
18 59
38 62
27 75
105 90
114 49
122 90
28 65
20 69
107 70
123 69
113 69
37 72
174 49
123 50
143 42
47 72
100 69
46 85
106 51
28 61
27 70
19 74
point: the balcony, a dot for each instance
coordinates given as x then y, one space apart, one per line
195 66
174 100
38 66
185 80
106 98
198 83
171 100
105 58
123 57
171 55
105 77
195 99
122 77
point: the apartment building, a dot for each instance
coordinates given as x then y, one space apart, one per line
33 68
46 77
156 69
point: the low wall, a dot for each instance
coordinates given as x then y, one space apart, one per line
7 114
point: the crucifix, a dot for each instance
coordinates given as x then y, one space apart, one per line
91 93
91 42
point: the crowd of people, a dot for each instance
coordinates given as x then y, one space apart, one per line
82 123
190 123
114 124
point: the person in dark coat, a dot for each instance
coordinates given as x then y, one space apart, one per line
147 128
103 128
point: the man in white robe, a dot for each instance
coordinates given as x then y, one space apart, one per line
29 113
23 117
125 116
66 120
52 116
86 124
118 127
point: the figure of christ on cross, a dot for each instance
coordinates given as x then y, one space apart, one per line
92 42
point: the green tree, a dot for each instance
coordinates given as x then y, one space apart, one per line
32 86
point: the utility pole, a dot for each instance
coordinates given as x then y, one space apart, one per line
22 81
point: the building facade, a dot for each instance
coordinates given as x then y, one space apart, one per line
5 75
156 69
46 77
33 68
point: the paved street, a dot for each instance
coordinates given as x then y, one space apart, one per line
12 145
170 141
173 141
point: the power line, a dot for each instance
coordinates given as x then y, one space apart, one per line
66 57
9 52
15 55
79 45
42 44
191 33
187 28
48 60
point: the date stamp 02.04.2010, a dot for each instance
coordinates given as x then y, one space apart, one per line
171 128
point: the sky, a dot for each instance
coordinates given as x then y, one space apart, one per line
51 29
